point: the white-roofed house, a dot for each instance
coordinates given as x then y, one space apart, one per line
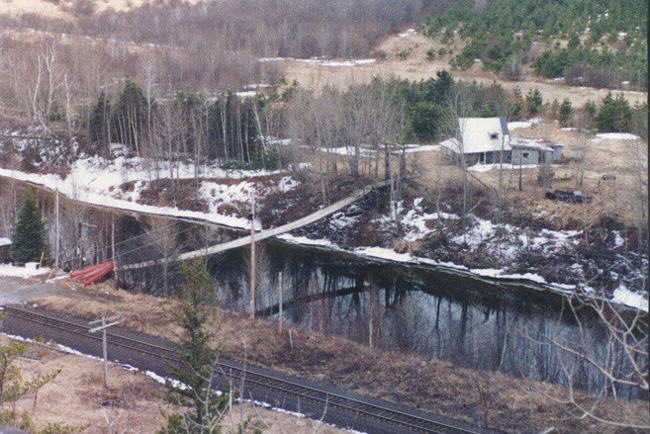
481 140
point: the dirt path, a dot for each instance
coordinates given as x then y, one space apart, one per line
16 290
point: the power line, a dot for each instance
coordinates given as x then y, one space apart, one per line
154 241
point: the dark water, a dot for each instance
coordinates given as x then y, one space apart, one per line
438 315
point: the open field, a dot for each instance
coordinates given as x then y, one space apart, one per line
428 384
417 67
133 403
66 8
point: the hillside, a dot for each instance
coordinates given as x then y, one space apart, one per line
585 42
415 66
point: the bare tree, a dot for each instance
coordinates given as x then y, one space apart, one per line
624 365
458 108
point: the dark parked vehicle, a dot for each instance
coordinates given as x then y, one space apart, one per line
568 196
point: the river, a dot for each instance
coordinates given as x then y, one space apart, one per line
436 314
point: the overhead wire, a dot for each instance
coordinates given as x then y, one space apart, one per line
130 239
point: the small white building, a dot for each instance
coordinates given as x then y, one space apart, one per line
487 141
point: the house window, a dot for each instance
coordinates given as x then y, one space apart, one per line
525 155
494 136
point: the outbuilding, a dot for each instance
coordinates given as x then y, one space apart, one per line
5 246
534 151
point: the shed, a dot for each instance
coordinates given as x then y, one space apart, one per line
534 151
5 246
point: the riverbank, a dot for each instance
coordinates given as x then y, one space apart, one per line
479 397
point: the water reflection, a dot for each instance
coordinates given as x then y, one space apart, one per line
463 321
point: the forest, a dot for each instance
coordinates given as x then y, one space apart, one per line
588 42
295 28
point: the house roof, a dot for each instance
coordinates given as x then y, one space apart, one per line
5 242
480 135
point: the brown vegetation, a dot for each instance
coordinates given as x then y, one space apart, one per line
416 67
132 404
507 403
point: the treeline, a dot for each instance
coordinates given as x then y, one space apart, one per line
298 28
188 127
606 38
50 79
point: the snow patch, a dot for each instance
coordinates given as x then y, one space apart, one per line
307 241
624 296
420 148
406 33
617 136
336 64
287 183
29 270
384 253
524 124
487 167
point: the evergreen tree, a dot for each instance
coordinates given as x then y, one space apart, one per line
565 112
195 368
29 234
534 101
607 114
130 115
623 114
99 125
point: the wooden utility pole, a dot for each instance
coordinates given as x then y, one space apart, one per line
116 278
280 297
105 324
252 276
58 231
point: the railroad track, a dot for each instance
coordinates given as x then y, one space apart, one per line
360 408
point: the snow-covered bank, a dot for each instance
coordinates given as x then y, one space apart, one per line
622 296
73 191
541 258
98 181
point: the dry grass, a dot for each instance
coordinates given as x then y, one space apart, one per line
76 397
510 403
417 67
604 157
64 8
133 403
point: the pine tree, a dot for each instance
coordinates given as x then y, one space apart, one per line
607 114
130 115
99 124
29 233
534 101
196 366
565 112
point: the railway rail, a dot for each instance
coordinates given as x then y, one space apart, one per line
357 411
